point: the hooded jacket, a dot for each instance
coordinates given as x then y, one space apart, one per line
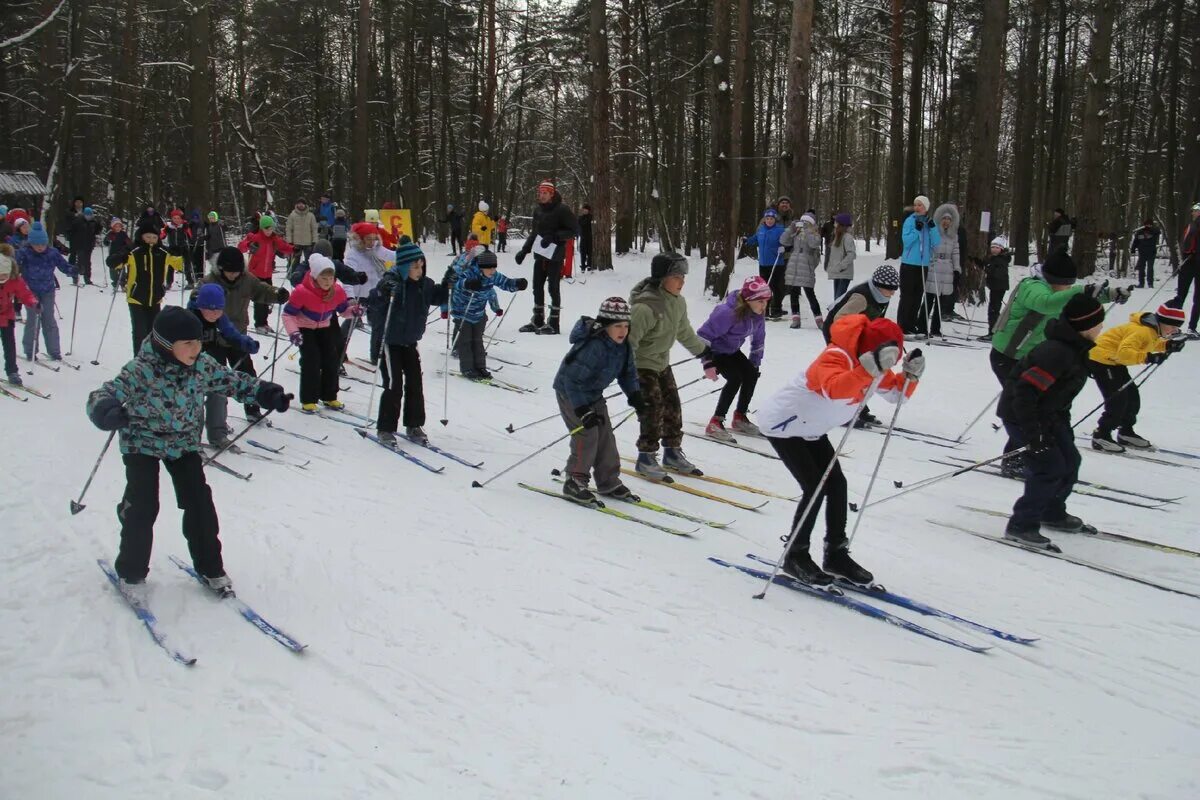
946 261
805 245
1041 387
12 289
726 334
165 400
310 308
770 251
592 363
659 320
827 394
482 226
374 262
1129 344
472 306
262 248
995 270
409 302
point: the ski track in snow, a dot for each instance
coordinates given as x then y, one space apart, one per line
493 643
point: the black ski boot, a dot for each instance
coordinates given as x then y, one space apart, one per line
1069 523
839 563
623 494
799 565
579 492
1029 537
866 419
536 322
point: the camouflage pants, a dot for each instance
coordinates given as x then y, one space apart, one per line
663 418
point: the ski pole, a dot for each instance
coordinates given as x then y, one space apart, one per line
879 462
572 432
927 482
816 495
275 347
387 357
111 303
271 366
979 416
243 432
74 314
77 505
1139 379
496 330
445 420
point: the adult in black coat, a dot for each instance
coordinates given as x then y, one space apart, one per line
454 218
555 225
1058 231
82 230
1145 245
585 237
1035 407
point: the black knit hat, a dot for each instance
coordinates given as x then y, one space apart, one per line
486 260
1083 312
175 324
229 259
666 264
144 228
1059 268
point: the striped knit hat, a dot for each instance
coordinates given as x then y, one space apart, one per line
1083 312
613 310
406 254
1169 315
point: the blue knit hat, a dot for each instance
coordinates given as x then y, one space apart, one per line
211 297
37 234
407 253
87 211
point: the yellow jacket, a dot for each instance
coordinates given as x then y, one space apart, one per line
1128 344
482 226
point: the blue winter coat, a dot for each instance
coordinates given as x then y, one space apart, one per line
325 213
918 244
222 332
38 268
769 248
472 307
461 262
592 363
410 302
165 400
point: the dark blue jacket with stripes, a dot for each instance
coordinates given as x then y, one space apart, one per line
1041 387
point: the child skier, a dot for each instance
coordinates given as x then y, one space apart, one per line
214 237
119 244
659 319
147 270
797 420
37 261
473 292
995 277
306 317
727 328
771 259
339 232
1145 339
156 403
12 287
398 309
177 238
465 259
599 354
225 345
263 245
804 240
1036 408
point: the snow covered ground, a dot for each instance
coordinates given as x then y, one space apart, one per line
494 643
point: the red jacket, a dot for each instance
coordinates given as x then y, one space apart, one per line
14 288
262 262
1191 238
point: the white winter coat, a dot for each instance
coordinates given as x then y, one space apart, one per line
939 279
374 262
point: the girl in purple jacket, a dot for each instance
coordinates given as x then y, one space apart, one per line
739 318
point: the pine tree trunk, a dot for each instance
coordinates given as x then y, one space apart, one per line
895 183
360 149
601 104
198 94
1024 143
718 235
798 78
1091 146
981 182
916 100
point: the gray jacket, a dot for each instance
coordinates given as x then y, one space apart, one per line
939 279
805 255
841 257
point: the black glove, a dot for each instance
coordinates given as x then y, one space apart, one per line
637 402
272 396
519 257
918 224
588 417
522 284
1096 290
109 415
1156 358
473 285
282 295
360 278
1174 345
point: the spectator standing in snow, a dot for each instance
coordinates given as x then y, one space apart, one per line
1145 245
585 237
454 218
82 231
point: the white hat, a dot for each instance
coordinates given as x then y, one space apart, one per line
921 200
318 263
483 206
808 218
1000 242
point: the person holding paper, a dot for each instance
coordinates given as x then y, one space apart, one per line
552 227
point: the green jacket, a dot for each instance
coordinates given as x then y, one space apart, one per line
1022 324
659 319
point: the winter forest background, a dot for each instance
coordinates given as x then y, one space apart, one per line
687 116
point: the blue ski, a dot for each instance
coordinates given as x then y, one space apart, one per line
918 606
444 453
399 452
145 616
354 423
247 613
848 602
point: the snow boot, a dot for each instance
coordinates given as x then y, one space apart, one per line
578 491
336 405
484 374
1129 438
799 565
472 375
716 430
547 330
796 322
1069 523
15 379
866 419
221 585
308 408
536 321
742 424
621 492
674 459
839 563
1030 537
648 467
386 438
417 435
1103 441
253 413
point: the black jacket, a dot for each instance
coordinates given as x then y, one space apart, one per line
857 300
555 223
413 299
1040 388
995 271
454 218
1145 241
585 230
82 232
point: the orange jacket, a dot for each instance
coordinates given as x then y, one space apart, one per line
827 394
